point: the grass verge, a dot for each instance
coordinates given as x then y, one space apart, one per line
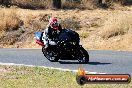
38 77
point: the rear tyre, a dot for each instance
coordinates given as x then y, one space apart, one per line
49 55
83 56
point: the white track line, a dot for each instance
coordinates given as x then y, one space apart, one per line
13 64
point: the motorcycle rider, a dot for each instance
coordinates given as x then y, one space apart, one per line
52 31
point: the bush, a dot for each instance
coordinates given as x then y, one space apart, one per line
116 25
70 23
66 4
32 4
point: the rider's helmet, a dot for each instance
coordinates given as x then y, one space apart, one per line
53 23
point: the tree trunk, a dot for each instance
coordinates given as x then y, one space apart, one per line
57 4
99 1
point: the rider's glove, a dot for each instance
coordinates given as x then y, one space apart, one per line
46 46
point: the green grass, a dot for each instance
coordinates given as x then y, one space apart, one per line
38 77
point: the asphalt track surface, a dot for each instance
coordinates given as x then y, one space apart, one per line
116 62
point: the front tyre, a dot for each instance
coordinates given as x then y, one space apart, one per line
49 55
83 56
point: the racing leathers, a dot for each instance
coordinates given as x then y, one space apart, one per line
50 36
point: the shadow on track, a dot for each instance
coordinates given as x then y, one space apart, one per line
90 63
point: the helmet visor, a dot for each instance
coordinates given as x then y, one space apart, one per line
54 25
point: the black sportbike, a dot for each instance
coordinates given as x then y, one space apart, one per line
66 47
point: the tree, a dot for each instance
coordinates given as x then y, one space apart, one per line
6 3
57 4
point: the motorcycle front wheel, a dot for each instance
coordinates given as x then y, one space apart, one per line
50 55
83 56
